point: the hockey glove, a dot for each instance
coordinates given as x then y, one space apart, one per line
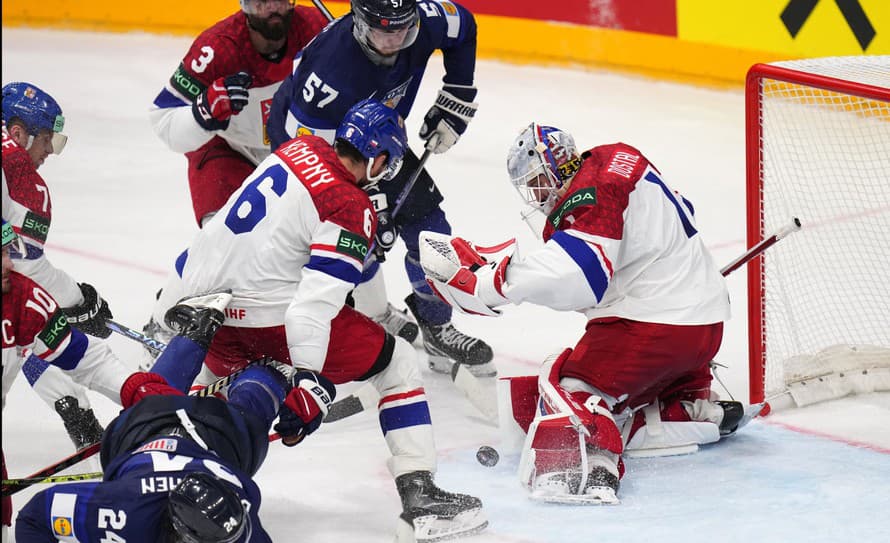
224 97
386 226
448 117
142 384
305 406
461 276
90 315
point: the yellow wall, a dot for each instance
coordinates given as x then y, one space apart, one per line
717 40
756 24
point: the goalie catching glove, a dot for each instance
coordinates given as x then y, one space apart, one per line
448 117
224 97
460 275
305 406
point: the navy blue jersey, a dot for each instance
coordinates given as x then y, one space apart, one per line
333 73
129 505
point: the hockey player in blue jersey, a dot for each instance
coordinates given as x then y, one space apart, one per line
380 50
176 467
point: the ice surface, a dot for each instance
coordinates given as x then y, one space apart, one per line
122 213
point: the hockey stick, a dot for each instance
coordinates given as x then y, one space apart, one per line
53 479
50 470
94 448
153 345
402 197
763 245
324 10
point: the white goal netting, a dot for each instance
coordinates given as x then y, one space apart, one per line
824 156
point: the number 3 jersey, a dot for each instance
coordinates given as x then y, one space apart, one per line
130 505
222 50
290 244
621 243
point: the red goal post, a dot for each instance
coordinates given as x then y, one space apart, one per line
818 147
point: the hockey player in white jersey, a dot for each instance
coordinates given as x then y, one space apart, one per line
34 325
32 131
622 248
290 244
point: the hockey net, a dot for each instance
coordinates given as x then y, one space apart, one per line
818 147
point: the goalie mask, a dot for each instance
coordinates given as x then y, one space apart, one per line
540 162
384 27
204 509
36 110
373 128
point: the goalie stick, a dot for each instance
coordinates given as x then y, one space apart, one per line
763 245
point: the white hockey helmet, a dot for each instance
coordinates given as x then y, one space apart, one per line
541 161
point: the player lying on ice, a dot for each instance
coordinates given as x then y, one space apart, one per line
290 244
622 248
176 467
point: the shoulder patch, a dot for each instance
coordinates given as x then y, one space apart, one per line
55 331
35 226
352 245
185 83
586 196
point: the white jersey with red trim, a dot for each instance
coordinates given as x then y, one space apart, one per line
33 324
622 243
28 207
290 244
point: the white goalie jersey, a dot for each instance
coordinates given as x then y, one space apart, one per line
622 243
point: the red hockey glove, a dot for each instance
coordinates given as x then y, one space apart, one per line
142 384
224 97
460 275
305 406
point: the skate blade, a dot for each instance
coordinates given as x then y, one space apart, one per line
430 528
443 364
606 496
215 300
655 452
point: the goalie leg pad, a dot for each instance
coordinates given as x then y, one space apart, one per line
652 436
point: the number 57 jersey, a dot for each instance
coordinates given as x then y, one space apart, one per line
290 243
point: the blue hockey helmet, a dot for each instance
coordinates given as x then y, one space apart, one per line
384 27
373 128
35 110
205 509
541 160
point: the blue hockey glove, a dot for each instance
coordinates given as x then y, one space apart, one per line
224 97
448 117
305 406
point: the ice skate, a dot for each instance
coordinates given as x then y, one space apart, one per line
398 323
432 514
81 424
446 345
600 487
736 416
199 317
